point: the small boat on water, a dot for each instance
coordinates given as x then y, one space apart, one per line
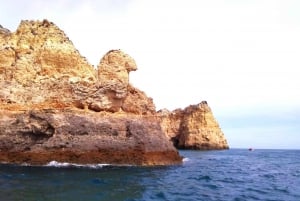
250 149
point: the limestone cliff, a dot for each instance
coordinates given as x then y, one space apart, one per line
40 67
39 136
193 128
55 106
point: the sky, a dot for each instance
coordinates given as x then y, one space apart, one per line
242 56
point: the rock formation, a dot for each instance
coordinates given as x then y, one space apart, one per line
40 136
55 106
193 128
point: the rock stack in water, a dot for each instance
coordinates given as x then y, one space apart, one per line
54 106
193 128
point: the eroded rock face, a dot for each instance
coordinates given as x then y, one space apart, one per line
193 128
38 63
40 50
40 68
38 137
137 102
55 106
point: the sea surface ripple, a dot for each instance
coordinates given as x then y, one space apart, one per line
235 175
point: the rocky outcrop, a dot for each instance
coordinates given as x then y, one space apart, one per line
4 31
38 137
39 67
193 128
137 102
55 106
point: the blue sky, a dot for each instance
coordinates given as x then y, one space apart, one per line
242 56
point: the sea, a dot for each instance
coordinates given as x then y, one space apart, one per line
234 174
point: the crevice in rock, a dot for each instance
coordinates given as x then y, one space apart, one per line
128 131
34 127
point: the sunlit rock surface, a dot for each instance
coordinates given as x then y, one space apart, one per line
55 106
193 128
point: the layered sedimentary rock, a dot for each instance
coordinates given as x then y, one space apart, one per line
38 137
193 128
55 106
39 64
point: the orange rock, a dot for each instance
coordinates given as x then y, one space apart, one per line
39 137
55 106
40 66
137 102
193 128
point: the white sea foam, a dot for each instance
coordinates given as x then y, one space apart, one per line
185 160
64 164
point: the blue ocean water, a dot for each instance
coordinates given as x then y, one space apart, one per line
234 175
